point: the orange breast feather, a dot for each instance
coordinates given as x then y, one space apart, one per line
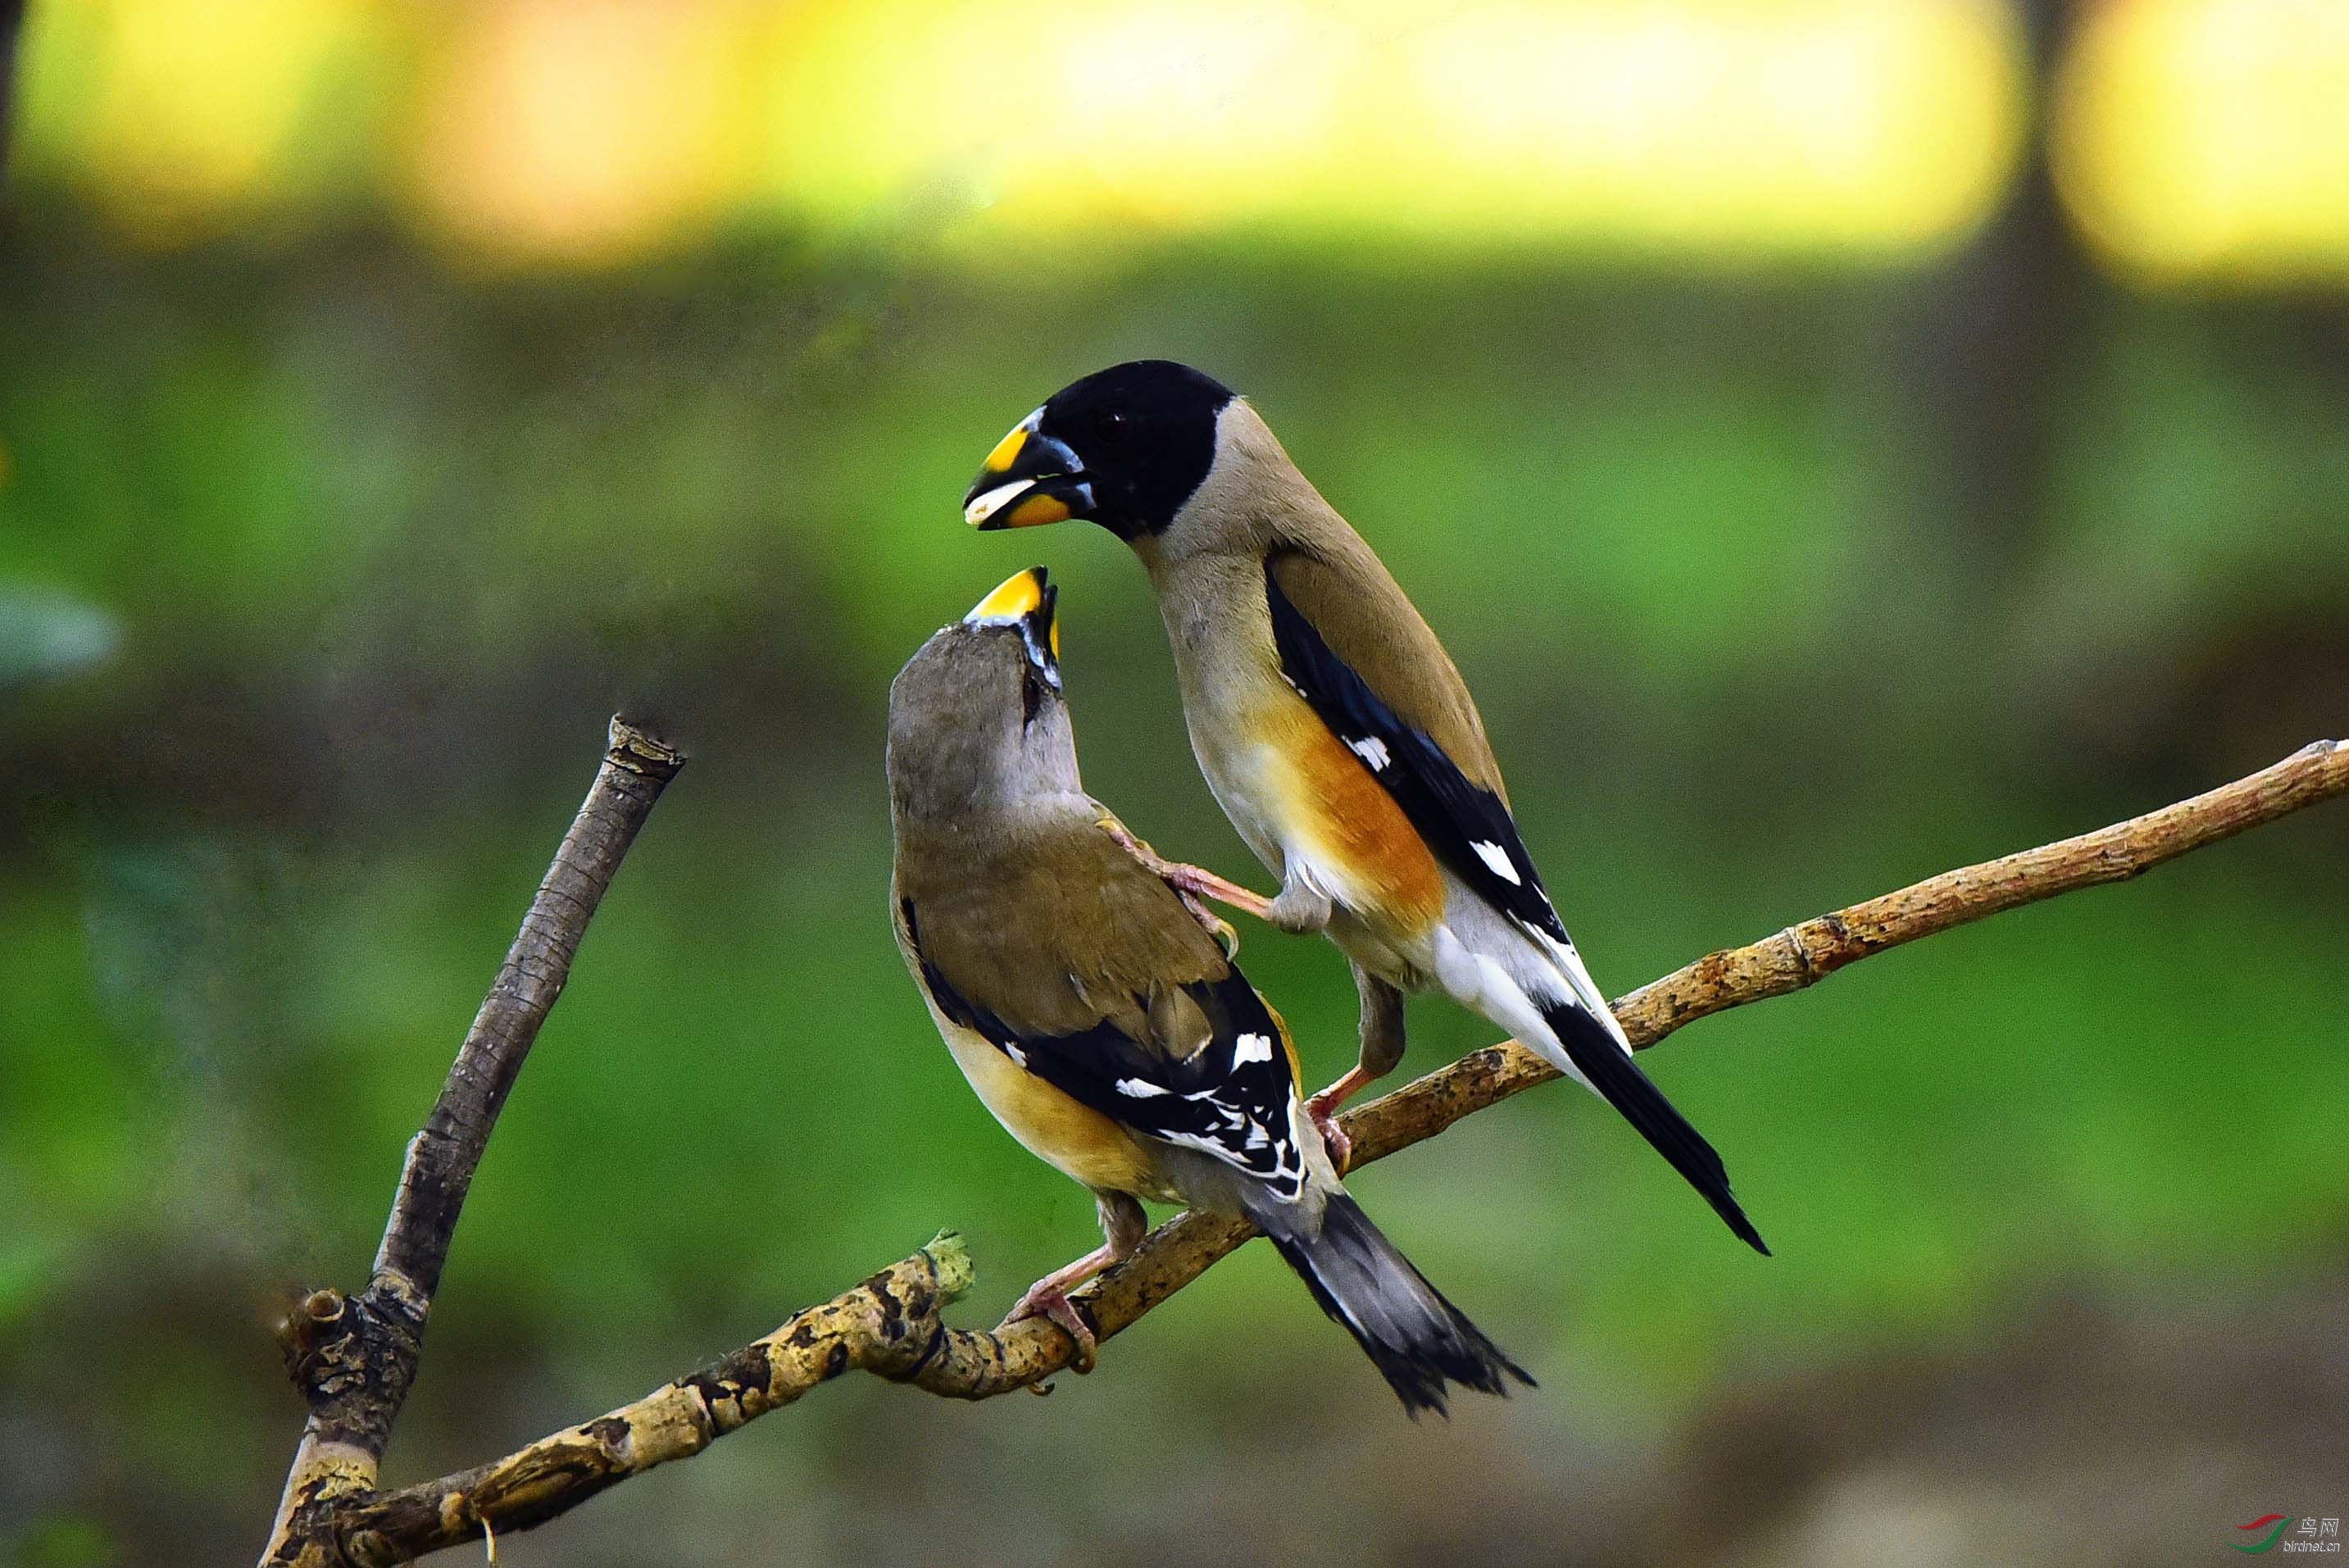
1345 819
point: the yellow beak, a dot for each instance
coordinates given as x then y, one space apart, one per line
1014 598
1024 598
1029 478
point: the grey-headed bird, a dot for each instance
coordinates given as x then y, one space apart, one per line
1096 1015
1333 729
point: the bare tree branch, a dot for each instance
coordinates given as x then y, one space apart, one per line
354 1357
890 1324
887 1325
1805 954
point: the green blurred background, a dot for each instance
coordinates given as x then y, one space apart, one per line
1838 441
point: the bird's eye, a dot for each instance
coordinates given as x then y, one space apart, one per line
1113 424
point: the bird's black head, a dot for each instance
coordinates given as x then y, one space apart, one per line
1125 447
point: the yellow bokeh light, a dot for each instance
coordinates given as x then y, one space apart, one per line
185 117
596 131
2210 137
587 130
1782 125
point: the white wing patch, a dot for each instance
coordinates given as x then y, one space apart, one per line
1139 1088
1244 1134
1285 1181
1494 856
1372 749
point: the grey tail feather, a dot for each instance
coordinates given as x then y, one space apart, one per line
1419 1341
1610 1070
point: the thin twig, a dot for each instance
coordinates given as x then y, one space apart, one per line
890 1324
355 1356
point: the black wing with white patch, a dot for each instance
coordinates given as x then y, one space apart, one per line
1464 823
1230 1099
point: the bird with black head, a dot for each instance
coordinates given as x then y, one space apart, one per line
1333 729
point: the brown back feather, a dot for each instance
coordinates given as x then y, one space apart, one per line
1057 928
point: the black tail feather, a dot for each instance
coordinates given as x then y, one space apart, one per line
1600 1059
1419 1341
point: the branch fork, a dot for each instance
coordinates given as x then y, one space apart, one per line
354 1357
